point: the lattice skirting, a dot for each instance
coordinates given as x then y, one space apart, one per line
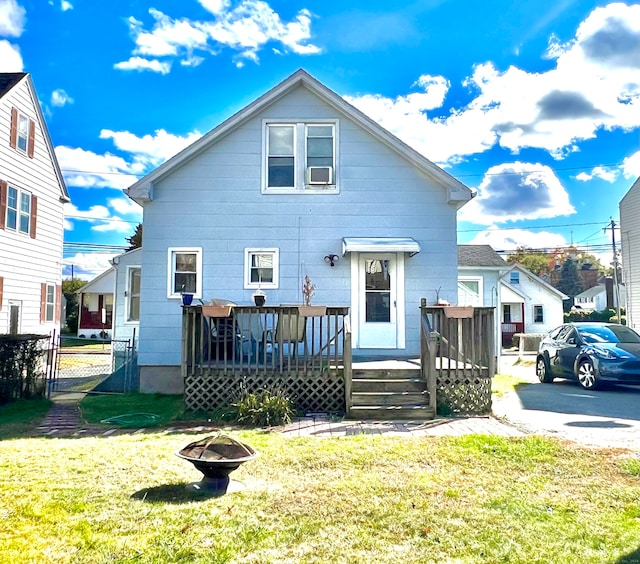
321 392
459 394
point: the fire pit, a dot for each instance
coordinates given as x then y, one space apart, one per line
216 457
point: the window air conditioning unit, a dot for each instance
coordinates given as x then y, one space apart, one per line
320 175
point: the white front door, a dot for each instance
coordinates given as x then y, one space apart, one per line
379 281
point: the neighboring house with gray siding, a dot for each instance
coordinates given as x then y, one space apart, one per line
260 201
32 195
630 243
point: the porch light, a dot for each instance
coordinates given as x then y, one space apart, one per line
331 259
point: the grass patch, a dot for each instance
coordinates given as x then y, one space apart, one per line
95 408
18 418
357 499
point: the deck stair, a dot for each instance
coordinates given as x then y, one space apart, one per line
389 392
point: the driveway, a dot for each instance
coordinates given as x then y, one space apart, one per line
602 418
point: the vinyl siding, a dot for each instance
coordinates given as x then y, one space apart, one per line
214 201
26 263
630 241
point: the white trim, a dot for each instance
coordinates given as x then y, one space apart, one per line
128 295
248 253
171 251
534 313
380 245
50 286
302 186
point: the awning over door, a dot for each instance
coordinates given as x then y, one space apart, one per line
380 245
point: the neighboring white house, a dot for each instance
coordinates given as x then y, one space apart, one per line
126 307
630 243
529 304
95 302
480 270
596 299
259 202
32 195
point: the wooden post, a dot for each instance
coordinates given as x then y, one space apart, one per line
347 364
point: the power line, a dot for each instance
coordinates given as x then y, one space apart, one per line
601 223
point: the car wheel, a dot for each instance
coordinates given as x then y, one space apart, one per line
542 370
587 375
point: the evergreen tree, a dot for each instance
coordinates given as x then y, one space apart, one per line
135 241
569 282
69 288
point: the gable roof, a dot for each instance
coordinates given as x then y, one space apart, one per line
458 192
8 81
105 279
592 292
538 280
479 256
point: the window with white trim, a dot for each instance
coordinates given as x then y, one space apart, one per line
470 291
50 303
538 314
18 215
185 272
514 277
133 294
300 156
261 268
22 137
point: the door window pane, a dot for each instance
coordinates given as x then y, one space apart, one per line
378 291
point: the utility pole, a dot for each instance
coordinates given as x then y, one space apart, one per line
616 287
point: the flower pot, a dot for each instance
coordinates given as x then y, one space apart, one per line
187 299
312 310
216 310
259 299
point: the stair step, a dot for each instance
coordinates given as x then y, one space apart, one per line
389 398
384 373
420 412
388 385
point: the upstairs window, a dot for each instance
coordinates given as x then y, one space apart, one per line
300 157
185 272
17 210
514 277
22 136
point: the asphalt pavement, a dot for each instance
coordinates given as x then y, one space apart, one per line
600 418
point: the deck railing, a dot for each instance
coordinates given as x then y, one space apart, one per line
300 351
458 357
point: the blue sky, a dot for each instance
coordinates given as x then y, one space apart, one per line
536 105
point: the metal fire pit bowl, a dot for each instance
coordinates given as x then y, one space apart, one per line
216 457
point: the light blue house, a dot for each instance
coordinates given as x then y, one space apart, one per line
297 183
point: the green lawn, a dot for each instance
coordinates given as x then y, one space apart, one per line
359 499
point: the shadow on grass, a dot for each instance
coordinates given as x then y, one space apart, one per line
631 558
183 492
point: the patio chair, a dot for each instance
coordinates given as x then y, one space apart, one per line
289 333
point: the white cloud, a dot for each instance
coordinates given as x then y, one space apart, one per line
99 217
595 85
246 29
139 64
12 18
126 206
150 150
60 98
65 6
10 57
608 175
502 240
87 266
516 191
631 166
87 169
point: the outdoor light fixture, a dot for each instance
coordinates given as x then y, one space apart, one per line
331 259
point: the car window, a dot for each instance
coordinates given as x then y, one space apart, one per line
609 334
555 332
569 334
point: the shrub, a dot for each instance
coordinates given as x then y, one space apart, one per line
22 367
264 408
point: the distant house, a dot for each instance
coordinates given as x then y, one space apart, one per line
126 306
630 243
95 318
297 183
600 297
32 195
529 304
